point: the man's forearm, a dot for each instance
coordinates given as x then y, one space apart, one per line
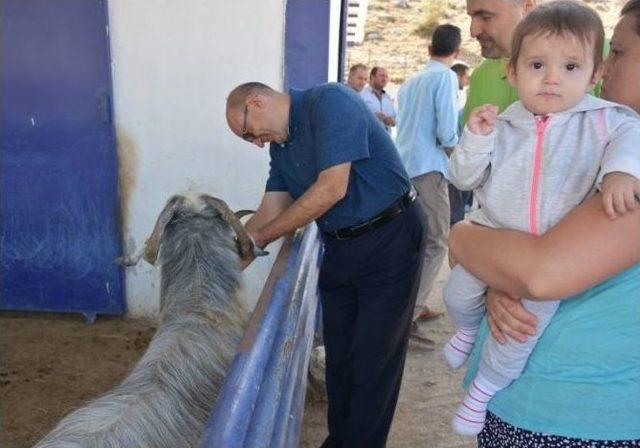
330 188
312 204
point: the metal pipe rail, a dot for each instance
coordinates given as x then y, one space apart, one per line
262 399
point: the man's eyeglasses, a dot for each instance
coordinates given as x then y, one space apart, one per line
246 135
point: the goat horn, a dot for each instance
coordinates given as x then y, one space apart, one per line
256 250
242 213
245 243
153 242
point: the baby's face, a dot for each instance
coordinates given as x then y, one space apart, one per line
552 73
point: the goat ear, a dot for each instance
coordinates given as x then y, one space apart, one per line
153 242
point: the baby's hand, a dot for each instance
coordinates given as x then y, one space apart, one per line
482 118
619 192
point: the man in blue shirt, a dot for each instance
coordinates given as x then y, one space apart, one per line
332 162
427 129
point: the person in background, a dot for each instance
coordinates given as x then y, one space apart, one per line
459 200
427 129
492 24
357 78
378 100
462 72
580 386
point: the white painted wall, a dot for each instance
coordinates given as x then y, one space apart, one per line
173 65
335 11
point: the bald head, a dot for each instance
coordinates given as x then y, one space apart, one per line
493 23
258 114
357 77
238 97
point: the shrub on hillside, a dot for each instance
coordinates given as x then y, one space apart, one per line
434 11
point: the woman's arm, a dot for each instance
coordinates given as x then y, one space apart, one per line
585 248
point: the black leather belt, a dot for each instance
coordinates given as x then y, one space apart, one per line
381 218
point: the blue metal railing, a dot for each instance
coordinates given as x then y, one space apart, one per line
262 399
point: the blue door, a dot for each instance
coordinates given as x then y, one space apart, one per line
58 164
307 38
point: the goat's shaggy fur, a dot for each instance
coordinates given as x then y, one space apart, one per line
166 400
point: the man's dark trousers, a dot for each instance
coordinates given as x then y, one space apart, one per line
368 288
459 200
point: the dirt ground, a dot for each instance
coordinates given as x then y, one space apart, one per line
50 364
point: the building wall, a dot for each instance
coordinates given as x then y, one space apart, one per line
173 64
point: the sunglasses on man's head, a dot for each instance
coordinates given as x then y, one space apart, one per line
246 135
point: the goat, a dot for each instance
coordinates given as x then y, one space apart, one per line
165 401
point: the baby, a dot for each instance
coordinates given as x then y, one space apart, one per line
530 166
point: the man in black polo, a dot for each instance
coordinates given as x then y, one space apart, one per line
332 162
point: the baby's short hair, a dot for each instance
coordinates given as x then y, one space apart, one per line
561 18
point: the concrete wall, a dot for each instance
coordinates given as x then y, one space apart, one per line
173 64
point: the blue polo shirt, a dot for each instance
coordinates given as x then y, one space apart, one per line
330 125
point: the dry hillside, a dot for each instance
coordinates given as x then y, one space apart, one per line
391 42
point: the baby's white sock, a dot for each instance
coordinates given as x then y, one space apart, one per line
472 413
458 349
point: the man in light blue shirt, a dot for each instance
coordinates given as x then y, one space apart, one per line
427 128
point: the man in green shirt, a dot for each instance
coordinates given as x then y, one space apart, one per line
489 84
492 24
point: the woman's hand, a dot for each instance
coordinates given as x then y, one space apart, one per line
507 317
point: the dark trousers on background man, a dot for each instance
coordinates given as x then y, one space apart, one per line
368 287
458 200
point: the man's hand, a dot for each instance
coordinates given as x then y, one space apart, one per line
244 262
482 119
507 317
452 260
388 120
260 241
273 204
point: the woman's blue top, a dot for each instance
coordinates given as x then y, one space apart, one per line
582 379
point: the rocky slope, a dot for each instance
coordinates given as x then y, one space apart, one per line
390 40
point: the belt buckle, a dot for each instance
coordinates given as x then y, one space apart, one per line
343 234
339 237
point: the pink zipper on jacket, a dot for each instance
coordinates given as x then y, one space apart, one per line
541 127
